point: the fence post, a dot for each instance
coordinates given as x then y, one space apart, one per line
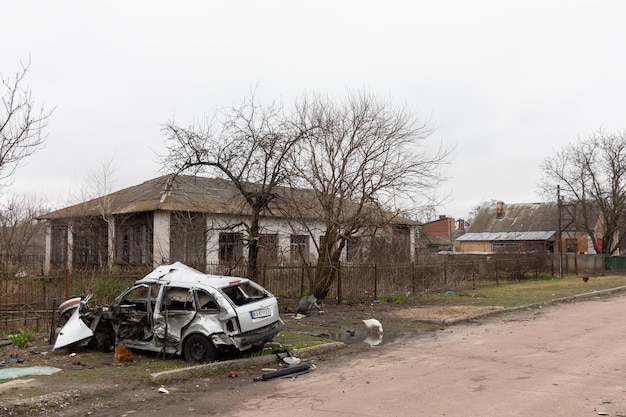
375 282
339 295
68 284
497 280
53 325
473 274
261 279
304 264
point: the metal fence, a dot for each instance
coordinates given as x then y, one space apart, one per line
356 283
30 301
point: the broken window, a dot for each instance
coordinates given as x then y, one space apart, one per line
206 302
353 249
231 247
90 241
244 293
299 250
59 244
176 298
188 238
268 249
134 244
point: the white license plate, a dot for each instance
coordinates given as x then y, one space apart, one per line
264 312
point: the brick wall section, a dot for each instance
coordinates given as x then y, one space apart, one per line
439 228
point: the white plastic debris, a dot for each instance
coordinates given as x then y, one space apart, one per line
163 390
291 360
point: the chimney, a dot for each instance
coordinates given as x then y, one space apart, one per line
442 217
460 225
500 209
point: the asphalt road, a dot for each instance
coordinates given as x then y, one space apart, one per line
564 360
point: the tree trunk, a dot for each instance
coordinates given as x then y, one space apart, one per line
327 263
253 248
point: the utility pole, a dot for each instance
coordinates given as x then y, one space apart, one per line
559 230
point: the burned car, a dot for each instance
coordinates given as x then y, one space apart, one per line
177 310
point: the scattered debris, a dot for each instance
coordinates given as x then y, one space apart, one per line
306 304
33 370
291 371
163 390
291 360
233 374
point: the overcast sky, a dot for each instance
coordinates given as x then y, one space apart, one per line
506 83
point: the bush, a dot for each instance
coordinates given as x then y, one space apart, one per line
22 338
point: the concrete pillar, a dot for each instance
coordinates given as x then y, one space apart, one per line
70 248
212 242
161 238
47 261
111 244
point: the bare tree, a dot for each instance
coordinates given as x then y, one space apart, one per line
248 145
474 211
364 159
21 123
592 173
21 236
91 229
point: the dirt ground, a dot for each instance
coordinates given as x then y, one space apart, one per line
111 395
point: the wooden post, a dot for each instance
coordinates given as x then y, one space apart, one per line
304 265
339 295
375 282
53 325
68 284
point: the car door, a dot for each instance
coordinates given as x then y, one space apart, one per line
175 311
133 313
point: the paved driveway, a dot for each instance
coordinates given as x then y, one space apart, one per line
565 360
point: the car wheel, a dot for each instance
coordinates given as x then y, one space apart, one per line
199 349
101 342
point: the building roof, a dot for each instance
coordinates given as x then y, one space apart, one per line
509 236
167 192
189 193
516 218
513 222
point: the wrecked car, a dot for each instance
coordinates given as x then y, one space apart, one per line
177 310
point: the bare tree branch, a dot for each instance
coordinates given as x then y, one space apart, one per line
249 145
360 156
592 173
21 123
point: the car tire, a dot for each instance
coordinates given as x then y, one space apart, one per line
101 341
198 348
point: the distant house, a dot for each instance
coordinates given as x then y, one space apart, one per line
440 235
523 228
195 220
